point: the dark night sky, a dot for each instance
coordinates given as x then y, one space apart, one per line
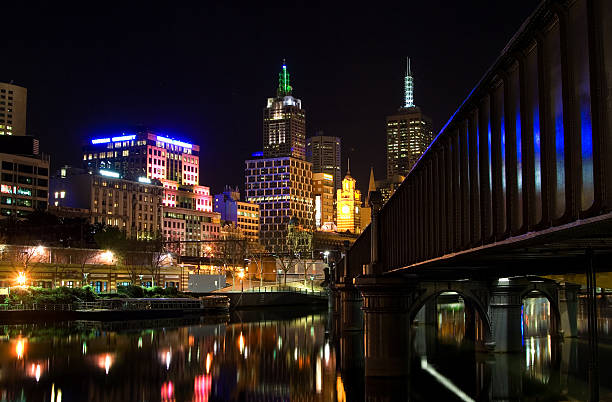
203 73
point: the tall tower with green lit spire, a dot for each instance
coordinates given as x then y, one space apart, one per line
284 89
284 125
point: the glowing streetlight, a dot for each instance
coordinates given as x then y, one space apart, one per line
21 279
38 251
241 276
107 256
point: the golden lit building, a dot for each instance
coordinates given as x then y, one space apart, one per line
323 195
348 204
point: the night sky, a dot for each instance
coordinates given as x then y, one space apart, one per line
203 73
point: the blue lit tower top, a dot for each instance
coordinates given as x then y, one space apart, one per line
408 87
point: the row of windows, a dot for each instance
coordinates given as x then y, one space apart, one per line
41 171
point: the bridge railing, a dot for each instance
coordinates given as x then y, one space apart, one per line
528 149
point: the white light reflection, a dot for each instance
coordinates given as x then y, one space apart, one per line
326 353
445 381
168 358
319 377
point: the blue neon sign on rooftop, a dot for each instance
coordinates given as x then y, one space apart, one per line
113 139
123 137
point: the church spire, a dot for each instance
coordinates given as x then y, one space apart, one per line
348 166
284 88
408 86
371 186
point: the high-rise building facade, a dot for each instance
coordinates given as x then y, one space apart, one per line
241 214
144 154
323 197
24 184
284 122
348 205
282 187
133 206
325 154
409 133
13 105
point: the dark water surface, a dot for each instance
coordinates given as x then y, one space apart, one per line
280 358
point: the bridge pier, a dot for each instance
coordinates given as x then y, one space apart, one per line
568 309
388 335
505 311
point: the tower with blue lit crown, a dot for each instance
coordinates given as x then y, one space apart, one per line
409 133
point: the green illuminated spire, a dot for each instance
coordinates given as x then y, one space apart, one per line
284 88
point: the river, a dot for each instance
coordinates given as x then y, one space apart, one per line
285 356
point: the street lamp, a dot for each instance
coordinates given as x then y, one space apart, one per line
21 279
241 276
312 283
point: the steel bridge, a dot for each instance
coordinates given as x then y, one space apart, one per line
522 171
518 183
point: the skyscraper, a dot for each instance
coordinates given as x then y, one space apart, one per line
280 180
409 132
325 155
282 187
284 122
13 102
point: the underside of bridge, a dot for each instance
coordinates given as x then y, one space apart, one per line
555 251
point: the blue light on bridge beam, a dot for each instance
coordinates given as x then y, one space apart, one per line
174 142
145 180
257 154
110 173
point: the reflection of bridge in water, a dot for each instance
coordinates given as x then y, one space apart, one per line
518 183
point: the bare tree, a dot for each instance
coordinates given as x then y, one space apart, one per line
256 253
84 257
25 258
231 250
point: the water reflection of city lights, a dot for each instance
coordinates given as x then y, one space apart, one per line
215 348
168 358
84 348
140 342
208 362
246 352
104 361
20 348
167 391
340 394
326 353
241 343
202 386
319 376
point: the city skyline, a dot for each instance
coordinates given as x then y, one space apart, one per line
193 96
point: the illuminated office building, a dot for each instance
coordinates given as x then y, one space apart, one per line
241 214
348 205
24 184
409 133
13 104
284 122
324 153
282 187
133 206
144 154
323 196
